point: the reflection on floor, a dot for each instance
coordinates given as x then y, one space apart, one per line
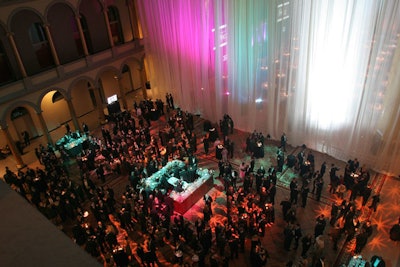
379 243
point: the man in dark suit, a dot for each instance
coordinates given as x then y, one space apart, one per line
283 142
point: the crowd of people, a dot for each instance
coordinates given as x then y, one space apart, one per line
125 147
102 221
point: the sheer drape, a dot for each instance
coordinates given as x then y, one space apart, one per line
324 72
179 41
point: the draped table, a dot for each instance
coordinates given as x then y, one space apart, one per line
189 193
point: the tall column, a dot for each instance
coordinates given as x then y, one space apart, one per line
16 54
99 102
13 147
110 38
121 91
73 114
51 43
44 128
133 20
82 35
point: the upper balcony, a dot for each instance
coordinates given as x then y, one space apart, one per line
60 73
44 42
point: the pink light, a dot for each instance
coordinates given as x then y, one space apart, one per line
227 93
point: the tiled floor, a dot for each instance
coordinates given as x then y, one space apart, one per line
379 244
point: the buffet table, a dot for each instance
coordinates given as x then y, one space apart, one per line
73 144
159 178
184 194
184 200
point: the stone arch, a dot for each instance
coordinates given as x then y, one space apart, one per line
46 91
83 95
61 16
92 14
92 95
21 9
79 3
109 83
105 69
57 113
26 122
55 2
130 59
134 79
31 40
80 78
21 103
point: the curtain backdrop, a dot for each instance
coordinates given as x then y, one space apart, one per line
324 72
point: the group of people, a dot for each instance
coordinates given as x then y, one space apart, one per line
255 144
345 217
127 147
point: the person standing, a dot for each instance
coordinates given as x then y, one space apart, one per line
304 195
206 144
306 241
231 148
167 100
170 100
319 184
242 170
286 205
280 160
27 139
67 128
323 169
293 191
375 201
334 179
288 232
252 164
319 226
297 235
366 193
85 128
361 241
224 154
38 155
231 124
283 142
335 234
259 178
272 193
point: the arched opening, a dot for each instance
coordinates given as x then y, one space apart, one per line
86 33
111 90
56 113
6 74
57 97
65 32
31 41
94 26
85 102
9 70
23 126
40 45
127 81
115 25
133 80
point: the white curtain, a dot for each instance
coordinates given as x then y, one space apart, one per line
325 72
179 42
